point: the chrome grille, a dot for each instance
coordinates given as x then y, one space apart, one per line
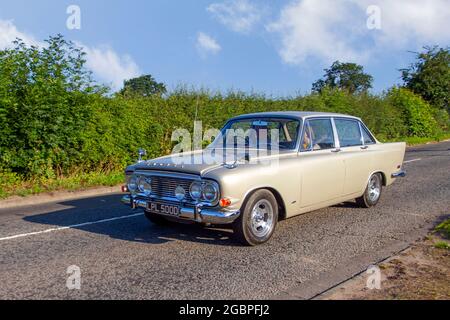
164 187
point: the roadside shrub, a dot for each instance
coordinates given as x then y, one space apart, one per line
45 97
7 179
416 113
442 118
56 122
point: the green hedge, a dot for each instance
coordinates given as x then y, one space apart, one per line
54 120
103 133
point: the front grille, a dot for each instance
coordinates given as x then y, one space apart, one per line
164 187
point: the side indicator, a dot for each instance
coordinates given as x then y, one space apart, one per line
224 202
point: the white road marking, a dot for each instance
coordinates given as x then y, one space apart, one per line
413 160
70 227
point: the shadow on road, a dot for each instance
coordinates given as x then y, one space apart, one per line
137 229
347 204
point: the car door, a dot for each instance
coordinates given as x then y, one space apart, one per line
355 154
322 171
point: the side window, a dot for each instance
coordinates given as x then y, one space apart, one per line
318 135
368 139
348 132
292 128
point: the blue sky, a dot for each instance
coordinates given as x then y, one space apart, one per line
274 47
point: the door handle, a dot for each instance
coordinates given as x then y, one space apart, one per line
365 147
336 150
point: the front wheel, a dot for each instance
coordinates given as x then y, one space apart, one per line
258 219
372 193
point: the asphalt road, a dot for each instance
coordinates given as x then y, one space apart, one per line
122 256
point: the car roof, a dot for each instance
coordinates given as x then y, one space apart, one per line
292 114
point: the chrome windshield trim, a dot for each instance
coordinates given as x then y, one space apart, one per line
262 117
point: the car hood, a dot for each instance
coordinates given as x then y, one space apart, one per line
191 163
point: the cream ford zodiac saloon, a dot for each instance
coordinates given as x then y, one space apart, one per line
266 167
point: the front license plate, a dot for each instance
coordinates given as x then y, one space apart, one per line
162 208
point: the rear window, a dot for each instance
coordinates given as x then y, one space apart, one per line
368 139
348 132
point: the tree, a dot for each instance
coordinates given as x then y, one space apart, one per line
143 86
344 76
429 76
46 103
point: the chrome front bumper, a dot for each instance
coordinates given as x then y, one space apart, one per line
399 174
196 214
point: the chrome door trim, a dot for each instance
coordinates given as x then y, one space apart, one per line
337 143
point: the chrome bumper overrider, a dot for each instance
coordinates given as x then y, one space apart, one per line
400 174
197 214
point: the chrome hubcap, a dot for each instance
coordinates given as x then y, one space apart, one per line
374 188
262 218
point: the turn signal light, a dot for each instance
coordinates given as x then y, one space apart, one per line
124 189
224 202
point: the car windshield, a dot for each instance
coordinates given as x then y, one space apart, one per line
259 133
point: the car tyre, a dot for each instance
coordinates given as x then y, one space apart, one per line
258 219
372 194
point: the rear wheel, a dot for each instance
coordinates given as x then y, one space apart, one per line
258 219
373 192
155 218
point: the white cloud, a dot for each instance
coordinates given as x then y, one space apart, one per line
206 44
107 65
330 30
9 33
237 15
412 21
312 28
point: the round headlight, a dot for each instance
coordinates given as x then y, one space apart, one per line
180 193
210 192
133 183
196 190
145 185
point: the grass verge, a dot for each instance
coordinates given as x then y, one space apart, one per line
422 272
412 141
444 228
11 185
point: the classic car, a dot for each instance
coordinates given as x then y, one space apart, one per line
312 160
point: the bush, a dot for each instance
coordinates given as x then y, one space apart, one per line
55 121
442 118
46 97
416 113
7 179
